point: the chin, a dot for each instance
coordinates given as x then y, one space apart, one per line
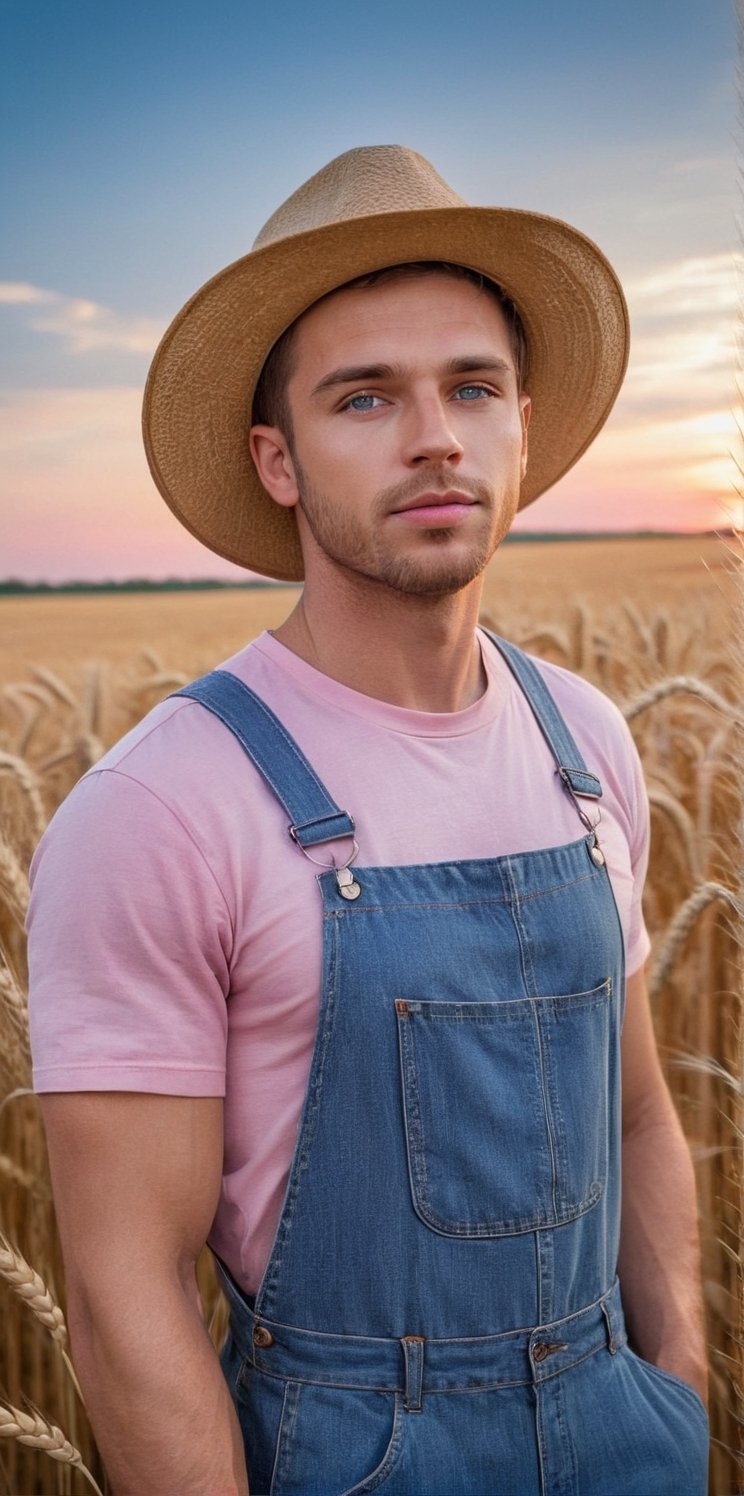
432 577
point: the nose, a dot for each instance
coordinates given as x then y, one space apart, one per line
429 436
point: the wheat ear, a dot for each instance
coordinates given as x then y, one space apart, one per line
28 782
13 883
30 1286
38 1433
13 1172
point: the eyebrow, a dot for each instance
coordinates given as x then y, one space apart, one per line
367 373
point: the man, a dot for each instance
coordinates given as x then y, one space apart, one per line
411 1003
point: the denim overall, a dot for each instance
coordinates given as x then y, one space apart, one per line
440 1312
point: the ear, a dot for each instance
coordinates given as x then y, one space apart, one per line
274 465
525 411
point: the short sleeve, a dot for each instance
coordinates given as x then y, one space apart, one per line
129 940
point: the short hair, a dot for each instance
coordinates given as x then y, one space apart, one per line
270 401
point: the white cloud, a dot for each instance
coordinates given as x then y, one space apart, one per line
20 293
83 325
683 338
703 285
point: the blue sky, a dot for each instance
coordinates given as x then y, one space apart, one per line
145 144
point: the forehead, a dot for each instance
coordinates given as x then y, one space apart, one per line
421 312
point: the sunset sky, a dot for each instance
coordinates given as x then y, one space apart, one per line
145 144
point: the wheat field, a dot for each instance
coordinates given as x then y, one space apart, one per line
656 624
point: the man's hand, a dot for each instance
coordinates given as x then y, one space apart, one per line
136 1183
659 1265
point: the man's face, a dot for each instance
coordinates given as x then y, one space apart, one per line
409 434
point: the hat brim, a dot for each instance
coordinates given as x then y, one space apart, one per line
198 398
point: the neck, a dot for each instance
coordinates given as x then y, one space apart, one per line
415 652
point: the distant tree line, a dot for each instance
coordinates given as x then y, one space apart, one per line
15 587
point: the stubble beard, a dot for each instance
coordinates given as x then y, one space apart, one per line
365 555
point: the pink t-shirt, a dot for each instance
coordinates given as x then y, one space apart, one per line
174 927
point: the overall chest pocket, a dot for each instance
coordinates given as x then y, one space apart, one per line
506 1110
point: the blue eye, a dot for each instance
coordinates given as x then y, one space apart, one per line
361 403
472 391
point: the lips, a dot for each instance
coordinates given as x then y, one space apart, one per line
453 497
435 511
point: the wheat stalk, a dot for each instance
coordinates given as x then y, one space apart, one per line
675 685
56 686
640 627
88 749
682 924
671 807
35 1431
164 681
30 717
92 702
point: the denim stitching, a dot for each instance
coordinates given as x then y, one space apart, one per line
274 722
546 1327
389 1459
525 954
486 900
516 1227
258 753
415 1142
306 1130
509 1009
546 1105
341 1386
551 723
668 1378
523 1009
553 1106
284 1437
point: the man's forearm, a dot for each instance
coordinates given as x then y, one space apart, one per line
160 1408
659 1263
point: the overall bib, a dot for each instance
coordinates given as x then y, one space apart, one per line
440 1312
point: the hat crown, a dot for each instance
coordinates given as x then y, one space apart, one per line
369 179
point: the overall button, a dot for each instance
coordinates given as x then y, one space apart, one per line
543 1348
262 1336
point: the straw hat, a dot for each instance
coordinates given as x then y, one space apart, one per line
372 207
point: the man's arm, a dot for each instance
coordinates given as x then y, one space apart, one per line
659 1266
136 1181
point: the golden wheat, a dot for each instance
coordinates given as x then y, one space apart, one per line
35 1431
678 680
30 1287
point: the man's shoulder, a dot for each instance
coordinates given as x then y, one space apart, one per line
592 717
573 693
176 768
173 737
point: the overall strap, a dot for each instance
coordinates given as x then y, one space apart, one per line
569 763
313 816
